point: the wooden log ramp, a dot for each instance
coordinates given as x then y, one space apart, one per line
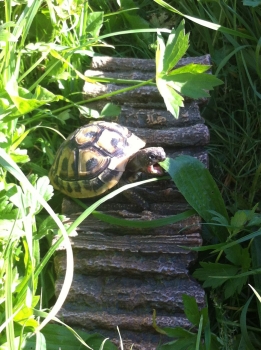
123 274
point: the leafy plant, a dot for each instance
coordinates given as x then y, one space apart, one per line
232 264
230 32
184 339
23 101
190 80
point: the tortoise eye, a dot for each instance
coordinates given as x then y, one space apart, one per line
152 157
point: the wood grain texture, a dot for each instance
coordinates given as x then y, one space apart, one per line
122 274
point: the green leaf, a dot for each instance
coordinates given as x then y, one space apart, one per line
191 68
94 23
215 274
193 85
47 225
20 156
89 112
144 224
176 47
191 309
239 256
219 218
238 221
234 286
4 107
177 332
198 187
44 189
160 54
11 226
57 336
26 102
18 136
189 80
110 110
171 98
188 343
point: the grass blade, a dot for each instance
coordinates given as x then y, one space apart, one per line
13 168
205 23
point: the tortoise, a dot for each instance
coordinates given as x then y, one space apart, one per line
95 156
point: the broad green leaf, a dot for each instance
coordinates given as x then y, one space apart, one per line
191 68
20 156
189 80
238 221
160 54
94 23
110 110
47 225
177 332
88 112
25 317
18 136
198 187
234 286
239 256
191 309
255 220
215 274
193 85
8 226
6 36
64 115
43 94
43 188
176 47
188 343
219 218
144 224
172 99
61 337
26 102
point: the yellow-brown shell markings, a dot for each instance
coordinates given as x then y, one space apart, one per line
93 158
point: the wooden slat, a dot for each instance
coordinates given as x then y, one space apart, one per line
123 273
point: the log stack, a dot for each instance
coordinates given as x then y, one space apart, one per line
123 274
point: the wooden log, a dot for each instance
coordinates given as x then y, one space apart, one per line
116 64
123 273
132 294
130 69
139 116
140 338
146 95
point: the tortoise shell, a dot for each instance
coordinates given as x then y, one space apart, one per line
93 158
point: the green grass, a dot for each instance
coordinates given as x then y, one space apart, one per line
233 116
44 50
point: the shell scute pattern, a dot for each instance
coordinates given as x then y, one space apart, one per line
93 158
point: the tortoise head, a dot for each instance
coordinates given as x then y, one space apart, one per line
146 160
